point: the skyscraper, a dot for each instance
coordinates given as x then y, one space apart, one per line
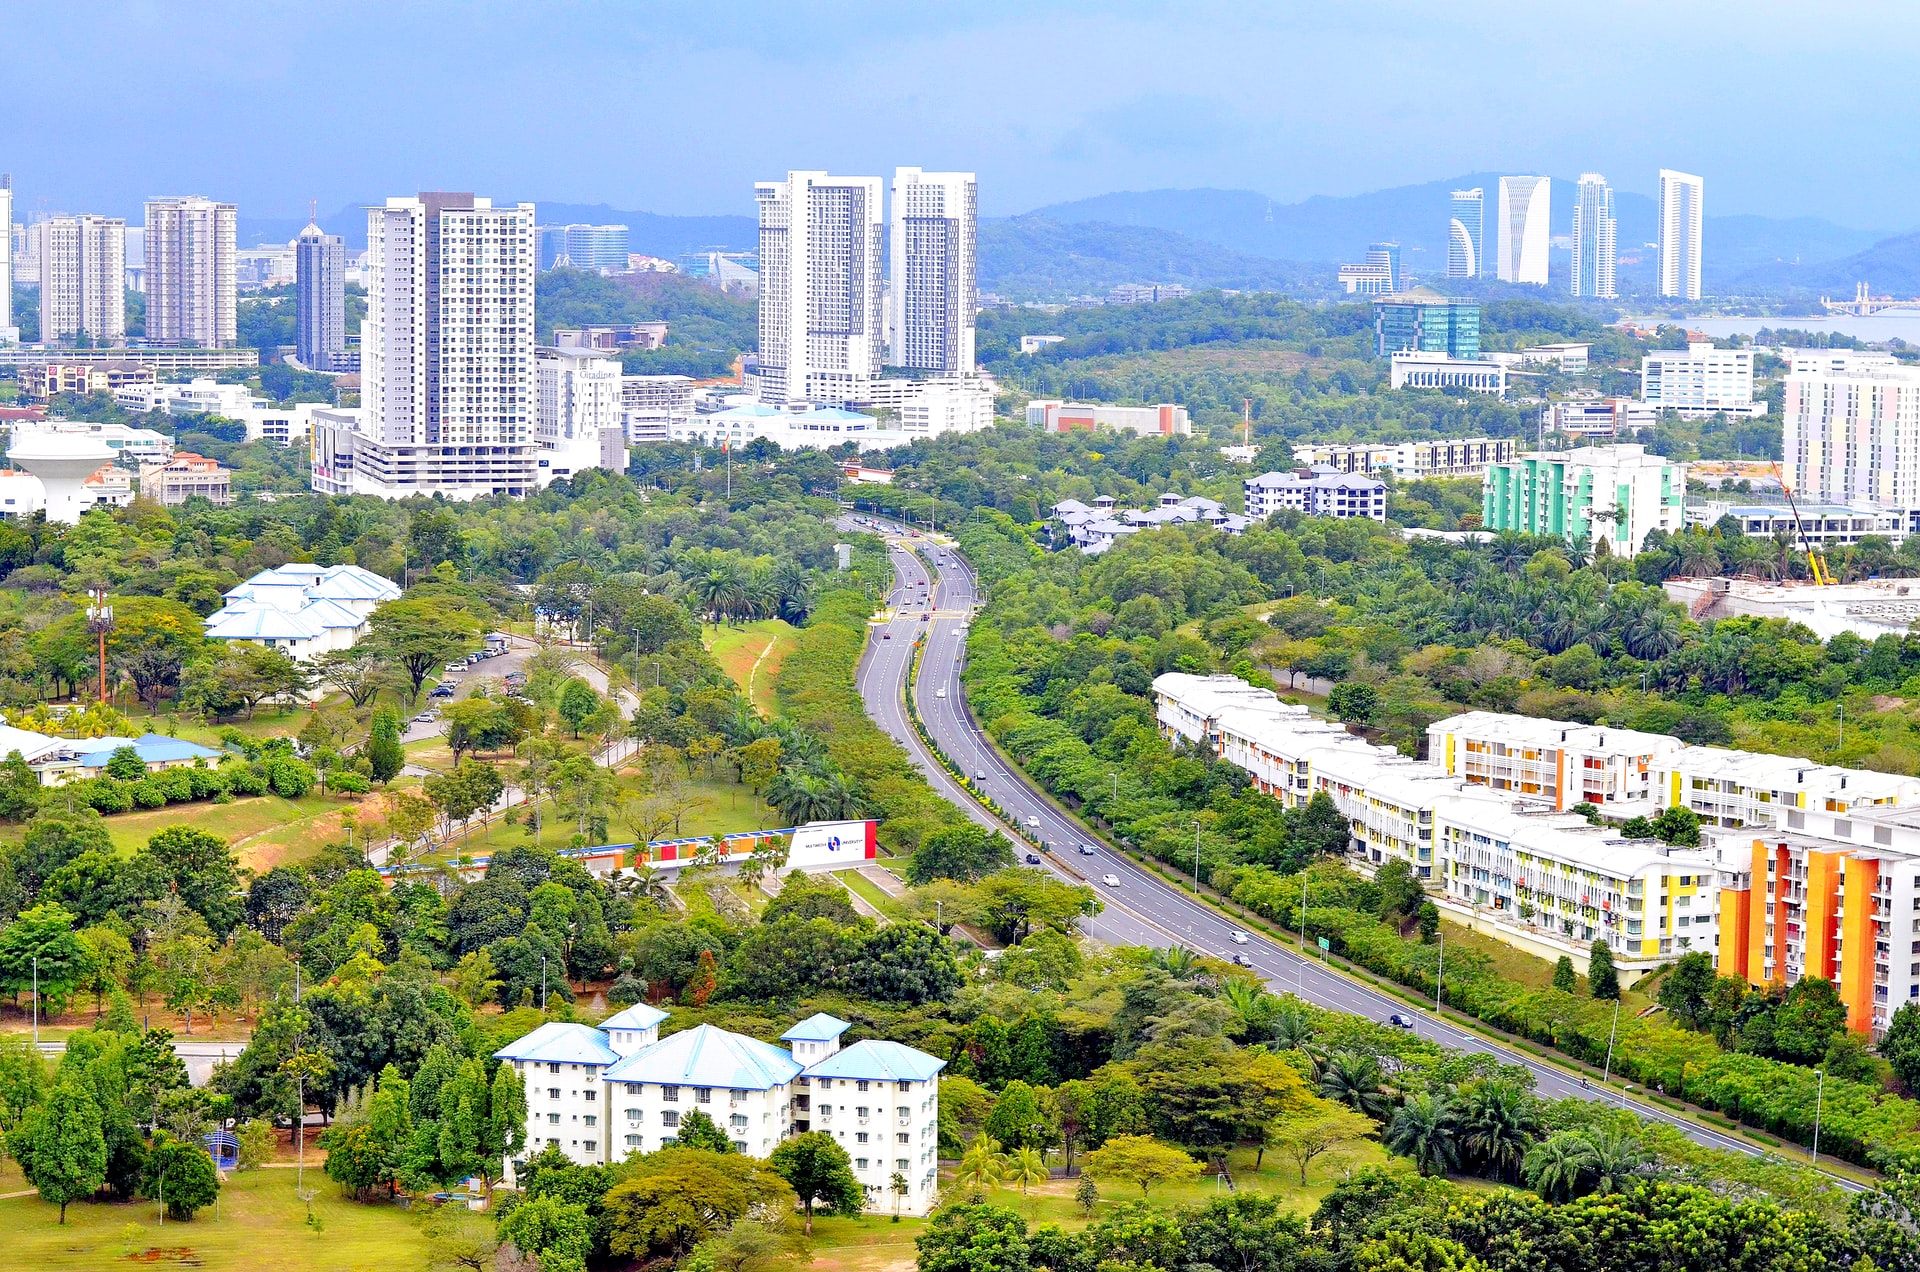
1681 197
446 350
1524 230
820 318
320 284
192 293
7 332
1464 258
1593 238
932 287
83 279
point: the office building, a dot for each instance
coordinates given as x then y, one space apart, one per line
185 476
1465 234
1681 198
1523 230
447 364
600 248
82 280
1849 432
932 288
1601 419
599 1094
1378 275
1587 496
1593 238
8 332
1442 371
1055 416
578 423
1321 491
81 377
1421 320
1700 381
320 286
650 406
192 291
821 321
1409 461
163 362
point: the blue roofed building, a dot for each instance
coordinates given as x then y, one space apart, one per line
307 610
70 759
598 1094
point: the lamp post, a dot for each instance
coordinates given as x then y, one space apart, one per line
100 622
1440 969
1196 859
1607 1073
1303 933
1819 1099
36 1002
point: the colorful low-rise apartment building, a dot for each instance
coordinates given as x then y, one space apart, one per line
1835 896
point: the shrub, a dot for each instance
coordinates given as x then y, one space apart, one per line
207 783
242 780
348 782
289 778
176 783
107 795
147 793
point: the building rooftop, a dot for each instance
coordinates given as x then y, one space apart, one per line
561 1043
640 1016
818 1027
152 748
875 1060
710 1057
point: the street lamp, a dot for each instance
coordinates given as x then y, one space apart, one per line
1440 969
1196 859
1819 1099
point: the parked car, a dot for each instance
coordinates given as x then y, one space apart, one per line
456 666
1112 880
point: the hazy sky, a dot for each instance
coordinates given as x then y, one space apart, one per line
1801 109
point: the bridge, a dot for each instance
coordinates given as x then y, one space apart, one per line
1864 304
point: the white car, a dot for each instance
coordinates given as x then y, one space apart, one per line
941 694
1033 823
1112 880
957 632
1237 937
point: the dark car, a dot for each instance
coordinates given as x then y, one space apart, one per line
1033 858
1087 850
1399 1021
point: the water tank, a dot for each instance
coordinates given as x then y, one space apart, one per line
62 462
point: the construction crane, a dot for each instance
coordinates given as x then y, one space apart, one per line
1816 563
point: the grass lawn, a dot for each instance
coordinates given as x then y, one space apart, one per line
723 808
249 815
751 654
261 1228
1523 968
870 892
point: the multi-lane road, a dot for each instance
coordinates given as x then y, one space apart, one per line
1141 908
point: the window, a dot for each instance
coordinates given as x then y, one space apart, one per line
553 1119
826 1110
900 1163
904 1138
863 1084
739 1146
738 1121
589 1095
553 1093
590 1120
861 1138
703 1095
670 1118
633 1115
861 1162
553 1066
905 1086
903 1111
633 1142
671 1094
861 1111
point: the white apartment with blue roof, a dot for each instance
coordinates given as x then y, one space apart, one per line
598 1094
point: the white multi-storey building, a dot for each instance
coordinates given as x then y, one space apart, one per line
932 289
192 291
822 328
1524 230
599 1094
446 356
82 280
1587 496
1409 461
651 406
1682 199
1320 491
1850 431
1593 238
1558 764
1700 381
578 422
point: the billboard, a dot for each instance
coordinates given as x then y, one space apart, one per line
832 845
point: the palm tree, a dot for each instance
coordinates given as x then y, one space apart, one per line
1176 961
1426 1129
1560 1166
1500 1125
1253 1006
1354 1080
982 1166
1025 1168
1616 1159
1291 1026
1508 551
793 596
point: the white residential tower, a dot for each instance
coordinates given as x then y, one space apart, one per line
192 296
821 325
1525 229
932 288
1681 197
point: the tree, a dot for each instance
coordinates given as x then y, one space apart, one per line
152 641
1246 1232
697 1130
197 866
1324 1127
965 852
1086 1195
1141 1160
973 1238
1901 1045
61 1146
357 672
559 1234
578 703
749 1246
44 933
1602 980
819 1170
1026 1167
1559 1167
677 1197
1564 978
1017 1120
419 633
982 1166
20 789
1356 702
256 1143
1687 989
1426 1129
1499 1121
384 751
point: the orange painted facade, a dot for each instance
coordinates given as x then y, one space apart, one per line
1838 940
1736 918
1823 904
1856 944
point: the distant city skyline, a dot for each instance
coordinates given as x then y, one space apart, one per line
279 111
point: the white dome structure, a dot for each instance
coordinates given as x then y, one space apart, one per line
62 462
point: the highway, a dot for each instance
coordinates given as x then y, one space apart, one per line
1143 909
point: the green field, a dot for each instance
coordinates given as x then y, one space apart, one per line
751 654
261 1228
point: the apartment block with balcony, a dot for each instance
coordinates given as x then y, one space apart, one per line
1560 764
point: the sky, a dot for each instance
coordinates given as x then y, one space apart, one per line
673 107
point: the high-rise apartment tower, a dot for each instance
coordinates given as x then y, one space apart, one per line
1681 197
1593 238
1524 230
821 325
83 279
320 283
932 288
192 292
1464 234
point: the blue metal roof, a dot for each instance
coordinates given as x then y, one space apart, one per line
563 1043
638 1016
152 748
877 1061
818 1027
708 1057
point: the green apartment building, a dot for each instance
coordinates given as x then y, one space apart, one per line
1427 322
1586 496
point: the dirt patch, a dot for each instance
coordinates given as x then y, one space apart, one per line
181 1255
1886 702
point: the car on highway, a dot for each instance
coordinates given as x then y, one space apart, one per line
1237 937
979 775
1033 823
1033 858
1241 960
1088 850
1112 880
957 631
1400 1021
941 694
886 635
